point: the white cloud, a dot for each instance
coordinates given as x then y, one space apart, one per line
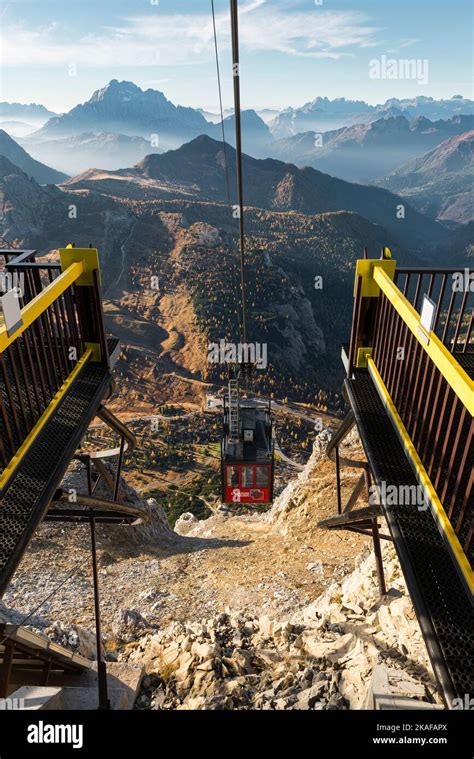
176 39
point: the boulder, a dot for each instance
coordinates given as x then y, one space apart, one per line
310 696
129 625
185 523
331 650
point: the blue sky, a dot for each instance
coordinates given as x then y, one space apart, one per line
291 50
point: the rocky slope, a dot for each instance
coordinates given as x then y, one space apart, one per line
322 657
235 612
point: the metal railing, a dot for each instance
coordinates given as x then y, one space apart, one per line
60 330
450 289
24 271
425 380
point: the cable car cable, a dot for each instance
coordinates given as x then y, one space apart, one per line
226 162
238 152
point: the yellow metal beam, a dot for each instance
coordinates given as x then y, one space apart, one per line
436 506
41 302
89 257
25 446
365 268
453 373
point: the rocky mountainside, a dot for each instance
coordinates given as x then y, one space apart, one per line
10 150
23 203
369 151
439 183
323 657
236 611
196 170
190 248
189 245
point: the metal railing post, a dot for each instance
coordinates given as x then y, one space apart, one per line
88 300
104 703
338 482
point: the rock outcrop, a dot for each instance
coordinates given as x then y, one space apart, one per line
322 658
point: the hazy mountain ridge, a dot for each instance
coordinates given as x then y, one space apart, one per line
440 183
196 169
125 109
106 150
32 111
18 156
368 151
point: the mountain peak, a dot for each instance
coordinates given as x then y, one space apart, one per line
115 89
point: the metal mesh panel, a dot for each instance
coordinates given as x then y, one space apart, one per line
28 497
444 609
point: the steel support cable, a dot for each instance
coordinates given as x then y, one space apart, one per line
78 566
226 163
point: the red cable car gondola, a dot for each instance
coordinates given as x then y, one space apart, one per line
247 452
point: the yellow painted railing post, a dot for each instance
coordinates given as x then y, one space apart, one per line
88 298
366 294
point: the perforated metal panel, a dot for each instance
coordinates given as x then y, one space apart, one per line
442 604
27 499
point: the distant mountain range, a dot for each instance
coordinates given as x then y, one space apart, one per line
365 152
196 170
167 214
32 112
322 114
122 125
356 133
440 183
20 158
123 109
